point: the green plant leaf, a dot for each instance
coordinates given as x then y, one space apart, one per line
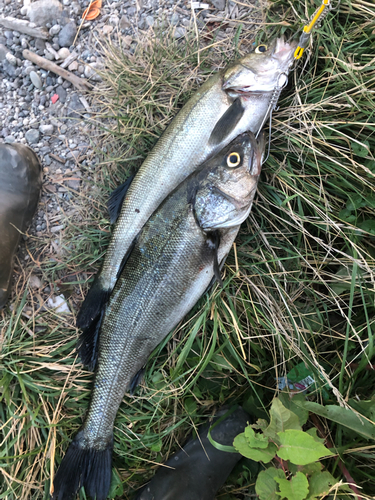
289 403
300 448
320 484
116 485
296 488
281 419
307 469
157 446
361 149
344 416
313 432
242 446
368 225
261 424
255 439
355 201
266 486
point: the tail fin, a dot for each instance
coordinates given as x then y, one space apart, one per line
86 467
93 304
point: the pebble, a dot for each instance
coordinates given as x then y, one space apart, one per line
35 78
63 53
61 92
32 136
124 23
58 303
46 130
55 30
179 32
73 66
219 4
107 29
34 281
43 12
91 71
67 34
3 52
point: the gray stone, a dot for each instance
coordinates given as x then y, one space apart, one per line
91 71
124 23
32 136
75 108
9 139
40 44
35 78
29 70
150 20
3 52
55 30
175 19
61 92
46 129
74 184
67 35
9 69
113 19
44 11
219 4
179 32
75 8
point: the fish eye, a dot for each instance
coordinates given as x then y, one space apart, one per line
233 160
260 49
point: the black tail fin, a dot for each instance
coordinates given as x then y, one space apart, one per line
93 304
86 467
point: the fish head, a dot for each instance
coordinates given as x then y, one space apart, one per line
262 70
227 183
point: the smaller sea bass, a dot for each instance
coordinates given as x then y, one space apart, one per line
176 256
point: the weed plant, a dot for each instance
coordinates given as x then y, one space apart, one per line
298 287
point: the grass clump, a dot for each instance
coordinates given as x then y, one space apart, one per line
298 287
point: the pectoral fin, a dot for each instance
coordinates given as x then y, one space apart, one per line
227 123
214 238
93 304
87 346
136 380
116 199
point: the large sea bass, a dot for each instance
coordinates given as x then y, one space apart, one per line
176 256
230 103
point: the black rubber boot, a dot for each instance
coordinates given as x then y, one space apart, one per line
199 469
20 184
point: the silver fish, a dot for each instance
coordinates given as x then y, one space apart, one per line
176 256
235 100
